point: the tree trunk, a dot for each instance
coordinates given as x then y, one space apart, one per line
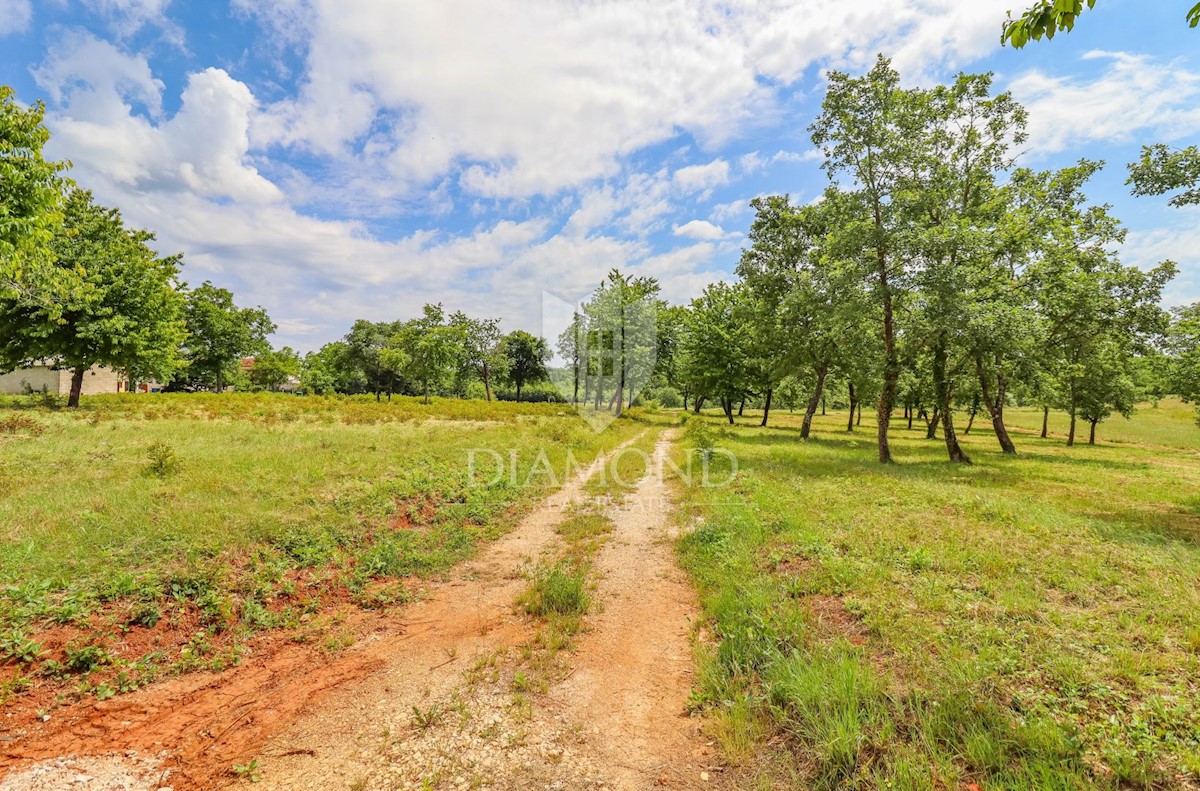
767 405
822 406
818 396
945 394
1071 435
995 407
853 404
891 366
858 420
518 392
932 423
970 421
685 400
698 405
727 404
742 406
1092 434
910 417
76 385
487 383
1045 420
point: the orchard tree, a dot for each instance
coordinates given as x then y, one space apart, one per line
31 196
869 130
481 352
716 346
117 302
527 356
1183 346
275 368
572 345
426 350
363 353
220 334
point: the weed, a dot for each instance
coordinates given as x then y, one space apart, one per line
16 646
428 717
247 771
161 460
557 590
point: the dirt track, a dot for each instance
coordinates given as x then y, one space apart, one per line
367 718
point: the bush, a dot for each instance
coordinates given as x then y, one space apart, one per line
544 393
667 397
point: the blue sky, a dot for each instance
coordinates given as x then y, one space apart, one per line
338 159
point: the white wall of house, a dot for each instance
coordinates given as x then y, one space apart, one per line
96 381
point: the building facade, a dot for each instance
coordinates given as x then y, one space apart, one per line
42 377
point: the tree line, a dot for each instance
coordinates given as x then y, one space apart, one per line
935 276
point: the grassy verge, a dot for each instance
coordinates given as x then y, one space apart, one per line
155 534
1029 622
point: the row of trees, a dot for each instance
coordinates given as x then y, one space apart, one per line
933 275
79 288
432 353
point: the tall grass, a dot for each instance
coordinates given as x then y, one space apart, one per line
1025 622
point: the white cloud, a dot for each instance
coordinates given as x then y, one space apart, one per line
14 16
723 212
127 17
203 149
1178 242
701 229
525 97
702 178
1133 95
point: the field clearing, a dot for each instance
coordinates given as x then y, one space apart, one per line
1028 622
146 536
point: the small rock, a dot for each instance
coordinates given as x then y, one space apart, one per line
704 776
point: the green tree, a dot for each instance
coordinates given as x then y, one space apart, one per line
275 369
363 354
716 346
1161 170
1048 17
220 334
117 303
572 347
527 356
426 350
31 196
1182 344
871 131
480 348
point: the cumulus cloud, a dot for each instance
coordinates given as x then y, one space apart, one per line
525 97
700 229
202 149
1133 95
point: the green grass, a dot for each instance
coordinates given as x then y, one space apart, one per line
1029 622
247 510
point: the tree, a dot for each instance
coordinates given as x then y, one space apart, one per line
31 195
363 354
572 346
273 369
117 303
480 347
219 335
527 356
1161 170
868 130
1182 343
1105 384
716 345
621 340
426 350
1048 17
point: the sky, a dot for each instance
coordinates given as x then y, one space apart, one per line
339 159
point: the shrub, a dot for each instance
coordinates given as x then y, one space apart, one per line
161 460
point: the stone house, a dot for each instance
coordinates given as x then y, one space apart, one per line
96 381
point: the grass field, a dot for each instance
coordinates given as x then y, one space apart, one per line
1028 622
209 518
